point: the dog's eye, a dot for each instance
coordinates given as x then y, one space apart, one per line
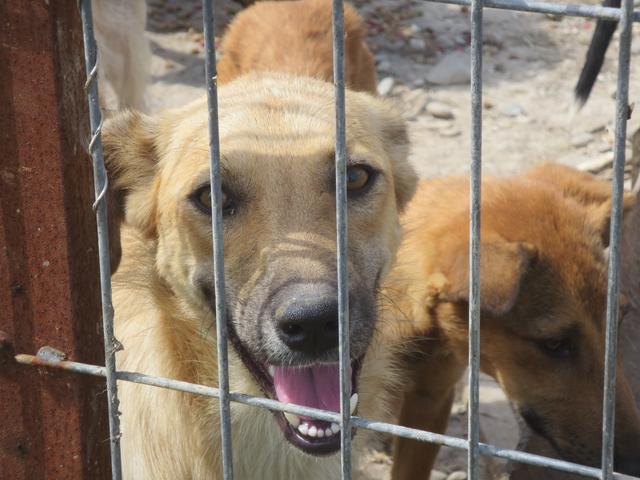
358 177
202 199
555 348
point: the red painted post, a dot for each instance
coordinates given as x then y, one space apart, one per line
52 425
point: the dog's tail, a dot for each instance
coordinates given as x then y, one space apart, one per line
595 55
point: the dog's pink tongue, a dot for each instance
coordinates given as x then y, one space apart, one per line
316 387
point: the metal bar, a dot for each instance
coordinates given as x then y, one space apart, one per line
473 419
100 180
218 241
617 189
342 247
325 415
575 10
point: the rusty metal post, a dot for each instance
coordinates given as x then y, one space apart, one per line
52 426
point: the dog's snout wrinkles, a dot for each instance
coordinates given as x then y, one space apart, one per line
309 325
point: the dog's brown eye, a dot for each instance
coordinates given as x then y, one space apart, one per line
202 199
357 177
205 198
556 348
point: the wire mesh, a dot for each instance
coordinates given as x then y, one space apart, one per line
341 228
218 241
473 445
611 340
111 345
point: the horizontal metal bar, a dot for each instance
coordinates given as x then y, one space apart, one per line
324 415
571 10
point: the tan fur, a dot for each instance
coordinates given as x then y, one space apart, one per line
295 37
277 136
124 55
543 277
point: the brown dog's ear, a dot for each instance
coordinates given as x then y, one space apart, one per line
128 141
585 188
502 266
600 216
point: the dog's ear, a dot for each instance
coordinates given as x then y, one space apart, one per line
600 215
590 191
395 140
128 141
503 265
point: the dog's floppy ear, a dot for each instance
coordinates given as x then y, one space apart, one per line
503 265
395 141
128 141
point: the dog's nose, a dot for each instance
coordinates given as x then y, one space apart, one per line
309 325
629 465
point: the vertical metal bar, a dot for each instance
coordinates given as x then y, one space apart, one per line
617 189
111 345
474 248
218 241
341 225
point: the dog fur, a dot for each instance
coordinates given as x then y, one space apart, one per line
277 137
543 302
124 56
295 37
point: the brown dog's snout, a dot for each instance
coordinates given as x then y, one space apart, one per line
309 324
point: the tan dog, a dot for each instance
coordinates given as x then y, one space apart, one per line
543 296
295 37
277 141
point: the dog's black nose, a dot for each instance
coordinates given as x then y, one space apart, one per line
309 325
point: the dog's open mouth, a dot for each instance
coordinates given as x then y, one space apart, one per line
315 386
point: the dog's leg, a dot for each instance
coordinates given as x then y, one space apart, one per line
425 406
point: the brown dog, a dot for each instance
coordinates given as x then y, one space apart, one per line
543 296
295 37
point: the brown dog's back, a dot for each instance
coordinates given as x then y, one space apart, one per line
295 37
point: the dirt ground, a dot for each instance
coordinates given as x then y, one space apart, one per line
531 63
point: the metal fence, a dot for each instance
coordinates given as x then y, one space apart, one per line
626 16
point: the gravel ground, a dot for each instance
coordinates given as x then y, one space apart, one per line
531 63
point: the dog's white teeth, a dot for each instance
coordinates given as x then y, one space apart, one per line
353 403
303 428
328 432
294 420
335 428
320 433
272 370
313 431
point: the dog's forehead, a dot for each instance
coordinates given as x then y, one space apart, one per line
270 123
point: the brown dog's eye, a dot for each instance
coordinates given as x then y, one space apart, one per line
202 200
358 178
556 348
